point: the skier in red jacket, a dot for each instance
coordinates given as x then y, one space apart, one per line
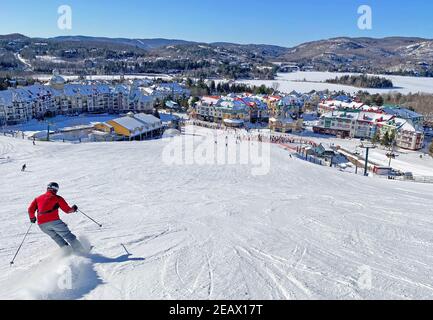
47 206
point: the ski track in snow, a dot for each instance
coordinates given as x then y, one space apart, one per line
212 232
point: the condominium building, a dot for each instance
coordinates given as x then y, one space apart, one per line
18 105
358 124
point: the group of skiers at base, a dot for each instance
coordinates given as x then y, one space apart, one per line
47 207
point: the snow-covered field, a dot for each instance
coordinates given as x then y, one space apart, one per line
308 81
60 122
406 161
418 162
47 77
210 231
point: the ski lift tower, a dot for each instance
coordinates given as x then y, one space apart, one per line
367 146
48 129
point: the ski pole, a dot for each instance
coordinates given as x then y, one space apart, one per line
19 248
100 225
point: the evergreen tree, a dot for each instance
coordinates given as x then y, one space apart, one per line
385 139
212 87
379 100
376 137
388 138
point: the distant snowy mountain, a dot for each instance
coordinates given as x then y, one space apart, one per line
387 55
147 44
392 55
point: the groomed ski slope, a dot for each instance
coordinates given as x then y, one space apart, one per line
212 232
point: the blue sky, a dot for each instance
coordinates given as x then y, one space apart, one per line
279 22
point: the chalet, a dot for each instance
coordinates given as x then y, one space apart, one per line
128 127
133 126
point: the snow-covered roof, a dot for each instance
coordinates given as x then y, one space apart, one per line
341 114
120 88
165 117
101 123
401 112
133 125
374 116
208 100
6 97
233 121
147 119
57 80
284 120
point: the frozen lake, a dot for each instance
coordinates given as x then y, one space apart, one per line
308 81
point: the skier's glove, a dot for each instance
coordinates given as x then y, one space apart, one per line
33 220
74 208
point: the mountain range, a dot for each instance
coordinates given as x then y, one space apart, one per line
84 54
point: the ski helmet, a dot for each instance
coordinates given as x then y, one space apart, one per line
53 186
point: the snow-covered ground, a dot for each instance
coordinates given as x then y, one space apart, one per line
417 162
47 77
212 231
24 61
60 122
308 81
51 59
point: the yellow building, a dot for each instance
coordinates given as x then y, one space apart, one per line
285 125
134 126
104 127
127 127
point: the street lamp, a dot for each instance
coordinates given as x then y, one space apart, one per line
367 147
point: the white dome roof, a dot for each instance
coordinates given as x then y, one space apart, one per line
57 80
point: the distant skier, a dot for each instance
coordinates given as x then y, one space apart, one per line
24 167
47 206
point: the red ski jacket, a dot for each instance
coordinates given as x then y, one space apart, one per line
48 206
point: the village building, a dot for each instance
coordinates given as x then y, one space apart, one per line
344 104
133 126
367 125
285 113
415 118
19 105
339 123
220 109
104 127
285 125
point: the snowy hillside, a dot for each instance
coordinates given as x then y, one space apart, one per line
212 232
